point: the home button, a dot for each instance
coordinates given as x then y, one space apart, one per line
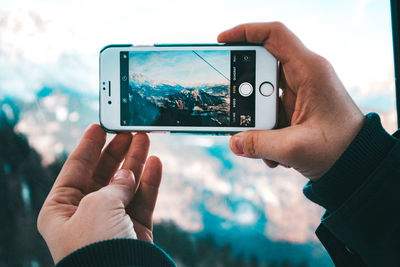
266 88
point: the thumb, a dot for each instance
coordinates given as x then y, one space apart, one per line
122 186
266 144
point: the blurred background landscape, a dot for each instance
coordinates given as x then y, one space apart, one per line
214 209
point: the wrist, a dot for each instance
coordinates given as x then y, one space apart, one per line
350 170
342 135
326 142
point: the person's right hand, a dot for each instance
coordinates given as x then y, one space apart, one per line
318 119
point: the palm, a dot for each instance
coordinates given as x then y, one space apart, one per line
78 199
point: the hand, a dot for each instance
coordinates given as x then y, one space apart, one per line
318 119
88 203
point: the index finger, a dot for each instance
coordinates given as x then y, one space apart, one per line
275 37
78 170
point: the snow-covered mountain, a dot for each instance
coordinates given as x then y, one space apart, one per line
138 79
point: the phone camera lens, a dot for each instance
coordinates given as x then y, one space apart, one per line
104 88
109 102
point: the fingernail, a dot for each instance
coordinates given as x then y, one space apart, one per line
121 174
237 145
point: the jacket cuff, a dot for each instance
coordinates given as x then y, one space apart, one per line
118 252
358 161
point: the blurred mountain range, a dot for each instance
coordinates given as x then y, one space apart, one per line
257 212
48 97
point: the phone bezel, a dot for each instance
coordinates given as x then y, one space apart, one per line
265 107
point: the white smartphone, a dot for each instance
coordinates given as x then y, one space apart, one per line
203 88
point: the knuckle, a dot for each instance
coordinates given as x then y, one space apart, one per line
322 62
278 26
112 201
39 222
317 67
96 201
89 200
250 144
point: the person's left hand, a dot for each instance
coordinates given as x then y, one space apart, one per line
89 202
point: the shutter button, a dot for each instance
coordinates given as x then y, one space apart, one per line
245 89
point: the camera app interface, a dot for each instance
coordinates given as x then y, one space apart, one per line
210 88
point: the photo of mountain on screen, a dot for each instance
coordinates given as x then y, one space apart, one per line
187 88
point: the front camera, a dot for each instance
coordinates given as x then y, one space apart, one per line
109 102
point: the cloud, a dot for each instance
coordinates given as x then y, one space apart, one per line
199 172
276 192
35 52
389 120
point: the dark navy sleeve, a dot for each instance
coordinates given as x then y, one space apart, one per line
361 195
118 253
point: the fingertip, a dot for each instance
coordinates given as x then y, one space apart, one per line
221 37
95 130
123 137
154 163
94 127
122 187
236 144
154 160
142 137
153 171
94 133
229 36
124 175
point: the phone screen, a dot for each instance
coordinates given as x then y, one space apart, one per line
213 88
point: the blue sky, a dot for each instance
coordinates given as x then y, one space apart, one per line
182 67
65 37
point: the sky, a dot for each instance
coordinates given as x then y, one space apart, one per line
57 44
47 42
182 67
53 37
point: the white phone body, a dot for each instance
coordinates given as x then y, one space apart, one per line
112 89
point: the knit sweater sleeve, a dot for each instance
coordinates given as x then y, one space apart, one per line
118 253
361 195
